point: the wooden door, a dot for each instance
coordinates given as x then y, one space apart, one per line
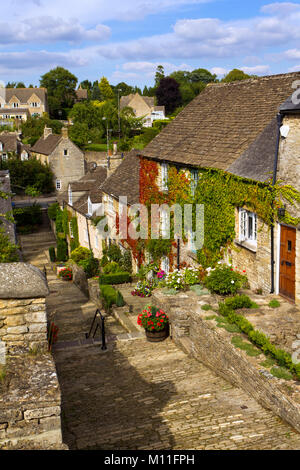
287 262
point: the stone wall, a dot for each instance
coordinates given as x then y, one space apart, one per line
204 342
23 318
67 168
79 279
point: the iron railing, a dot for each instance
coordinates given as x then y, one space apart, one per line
98 323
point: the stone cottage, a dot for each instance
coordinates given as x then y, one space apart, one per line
65 159
233 129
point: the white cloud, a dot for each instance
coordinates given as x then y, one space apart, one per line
219 71
284 8
49 29
256 70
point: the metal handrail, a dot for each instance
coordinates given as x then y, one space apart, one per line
98 321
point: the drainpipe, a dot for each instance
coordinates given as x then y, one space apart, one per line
279 123
178 253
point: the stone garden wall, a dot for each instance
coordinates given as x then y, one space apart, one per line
30 398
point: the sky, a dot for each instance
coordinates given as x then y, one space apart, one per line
125 40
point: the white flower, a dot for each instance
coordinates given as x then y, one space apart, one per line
232 282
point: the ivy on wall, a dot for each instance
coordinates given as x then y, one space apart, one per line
221 193
74 243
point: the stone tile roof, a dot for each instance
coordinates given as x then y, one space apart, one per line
81 94
46 146
125 100
124 181
14 111
90 183
221 123
257 161
10 142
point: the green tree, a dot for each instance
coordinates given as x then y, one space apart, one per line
61 86
29 173
20 85
105 89
235 75
33 128
159 75
168 94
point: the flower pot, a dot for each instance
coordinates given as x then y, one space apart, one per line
157 336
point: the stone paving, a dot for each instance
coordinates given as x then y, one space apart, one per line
140 395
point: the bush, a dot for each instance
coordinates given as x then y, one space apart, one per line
28 216
80 254
114 253
274 303
52 210
8 251
111 268
59 221
111 296
52 254
115 278
126 262
224 280
62 249
104 261
239 301
90 266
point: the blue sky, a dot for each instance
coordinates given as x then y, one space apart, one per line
126 40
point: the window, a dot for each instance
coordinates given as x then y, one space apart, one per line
164 219
165 264
24 156
191 241
110 203
248 227
71 230
90 207
4 156
70 196
86 235
164 177
58 184
15 105
194 180
34 104
66 152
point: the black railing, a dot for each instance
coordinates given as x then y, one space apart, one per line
98 323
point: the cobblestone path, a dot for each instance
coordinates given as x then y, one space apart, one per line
140 395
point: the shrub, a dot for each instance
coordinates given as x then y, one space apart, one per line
58 221
90 266
111 267
52 254
52 210
224 280
62 249
80 254
8 251
115 278
239 301
28 216
126 262
119 299
114 253
104 260
274 303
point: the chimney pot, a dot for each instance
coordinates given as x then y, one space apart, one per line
47 131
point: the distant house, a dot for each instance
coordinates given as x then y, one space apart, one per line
11 145
21 103
6 206
84 201
81 94
143 106
65 159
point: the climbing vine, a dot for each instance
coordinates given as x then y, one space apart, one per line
74 243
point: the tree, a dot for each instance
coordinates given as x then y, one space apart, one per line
235 75
168 94
202 75
33 128
20 85
29 173
11 85
159 75
61 86
124 89
105 89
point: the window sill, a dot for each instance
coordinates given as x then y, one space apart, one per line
248 245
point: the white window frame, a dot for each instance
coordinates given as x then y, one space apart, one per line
110 204
248 227
194 180
165 264
164 177
90 207
58 185
86 235
70 196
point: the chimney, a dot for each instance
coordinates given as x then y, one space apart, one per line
47 131
64 132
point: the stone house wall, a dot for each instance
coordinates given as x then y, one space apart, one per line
67 168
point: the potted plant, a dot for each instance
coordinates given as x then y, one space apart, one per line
155 322
65 274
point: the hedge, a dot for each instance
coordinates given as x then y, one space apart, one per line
62 249
257 337
111 297
116 278
52 254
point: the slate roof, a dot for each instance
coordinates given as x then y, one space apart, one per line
124 181
257 162
222 122
46 146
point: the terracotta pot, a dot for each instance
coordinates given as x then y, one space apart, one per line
157 336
